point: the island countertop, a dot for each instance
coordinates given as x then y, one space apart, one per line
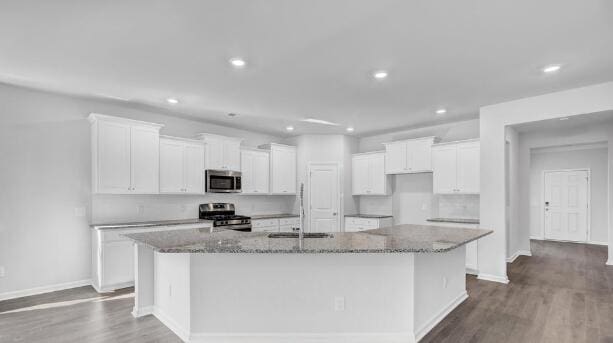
393 239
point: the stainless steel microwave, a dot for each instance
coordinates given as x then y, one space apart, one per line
223 181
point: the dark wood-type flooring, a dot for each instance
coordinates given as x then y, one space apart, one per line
564 293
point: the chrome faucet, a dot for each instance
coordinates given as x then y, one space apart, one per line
301 226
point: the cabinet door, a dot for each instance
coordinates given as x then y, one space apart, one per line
396 158
214 154
232 155
261 168
468 168
376 174
193 166
248 172
419 155
113 158
145 160
283 171
171 166
117 263
444 165
360 175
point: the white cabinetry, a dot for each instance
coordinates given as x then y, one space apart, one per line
357 223
290 224
125 155
255 165
221 153
113 255
368 174
456 167
181 165
409 156
282 168
472 248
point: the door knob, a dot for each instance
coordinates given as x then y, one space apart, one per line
334 213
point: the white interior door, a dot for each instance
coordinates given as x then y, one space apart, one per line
324 198
566 205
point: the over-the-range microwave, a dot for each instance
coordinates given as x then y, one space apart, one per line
223 181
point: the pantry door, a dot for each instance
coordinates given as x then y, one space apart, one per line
324 197
566 205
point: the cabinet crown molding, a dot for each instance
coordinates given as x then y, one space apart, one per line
182 139
276 145
205 136
93 117
464 141
434 139
369 153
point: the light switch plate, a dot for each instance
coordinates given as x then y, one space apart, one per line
339 304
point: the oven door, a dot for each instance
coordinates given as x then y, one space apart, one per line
223 181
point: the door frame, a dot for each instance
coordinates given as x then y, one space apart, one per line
341 211
589 205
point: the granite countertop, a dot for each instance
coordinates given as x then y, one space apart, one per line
150 224
394 239
454 220
274 216
374 216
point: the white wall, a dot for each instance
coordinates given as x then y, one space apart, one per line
46 175
493 121
595 159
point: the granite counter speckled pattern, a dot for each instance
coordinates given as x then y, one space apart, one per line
368 216
151 224
274 216
394 239
454 220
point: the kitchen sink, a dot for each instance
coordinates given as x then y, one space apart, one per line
295 235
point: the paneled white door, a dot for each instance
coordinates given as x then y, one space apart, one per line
324 198
566 205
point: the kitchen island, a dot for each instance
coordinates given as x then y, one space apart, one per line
385 285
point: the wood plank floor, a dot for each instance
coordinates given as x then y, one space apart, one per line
564 293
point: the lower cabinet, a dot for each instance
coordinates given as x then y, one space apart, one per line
472 248
113 256
276 224
355 224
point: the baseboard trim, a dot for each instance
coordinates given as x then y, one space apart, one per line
44 289
472 271
598 243
517 254
493 278
112 288
171 324
609 262
143 311
296 337
537 238
440 316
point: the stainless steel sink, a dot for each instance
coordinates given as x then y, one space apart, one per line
295 235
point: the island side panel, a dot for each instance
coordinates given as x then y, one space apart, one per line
173 292
143 281
292 296
440 286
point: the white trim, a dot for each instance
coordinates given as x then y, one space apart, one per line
571 147
598 243
171 324
437 318
114 287
44 289
472 140
493 278
589 205
143 311
517 254
93 117
609 263
299 337
369 153
341 213
537 238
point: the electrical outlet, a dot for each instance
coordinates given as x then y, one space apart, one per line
2 271
140 209
424 207
444 282
170 290
339 304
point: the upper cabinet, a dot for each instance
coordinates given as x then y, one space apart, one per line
125 155
409 156
456 167
221 152
282 168
255 166
368 174
181 165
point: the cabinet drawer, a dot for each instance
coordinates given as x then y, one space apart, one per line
265 229
289 221
288 228
264 223
362 222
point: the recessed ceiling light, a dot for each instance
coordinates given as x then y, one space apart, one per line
380 75
289 128
172 101
441 111
319 121
350 129
238 62
565 118
552 68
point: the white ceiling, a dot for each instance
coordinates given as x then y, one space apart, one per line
308 58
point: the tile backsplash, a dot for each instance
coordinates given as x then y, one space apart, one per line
455 206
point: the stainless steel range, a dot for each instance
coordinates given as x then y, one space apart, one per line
224 217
